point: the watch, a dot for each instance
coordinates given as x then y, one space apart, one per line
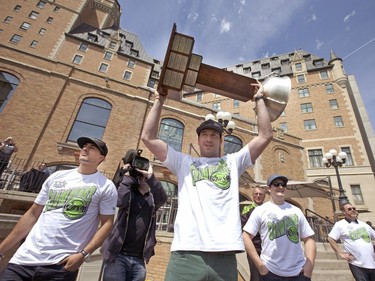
86 255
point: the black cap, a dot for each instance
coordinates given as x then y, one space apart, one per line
274 177
98 143
129 156
210 124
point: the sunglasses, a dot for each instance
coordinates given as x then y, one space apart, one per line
277 184
351 208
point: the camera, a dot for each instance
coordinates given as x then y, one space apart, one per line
140 162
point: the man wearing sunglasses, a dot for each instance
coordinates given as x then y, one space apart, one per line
358 250
281 227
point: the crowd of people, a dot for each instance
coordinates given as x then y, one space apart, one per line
74 214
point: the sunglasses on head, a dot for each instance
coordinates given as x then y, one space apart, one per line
351 208
277 184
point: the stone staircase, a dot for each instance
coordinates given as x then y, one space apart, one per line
327 266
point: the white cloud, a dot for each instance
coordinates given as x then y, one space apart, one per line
347 17
213 18
193 16
313 17
318 44
242 2
225 26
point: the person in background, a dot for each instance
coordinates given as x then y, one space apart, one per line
258 195
207 228
132 240
281 227
7 148
61 227
358 249
32 180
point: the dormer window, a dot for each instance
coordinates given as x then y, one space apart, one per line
92 38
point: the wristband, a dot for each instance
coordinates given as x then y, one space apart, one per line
259 98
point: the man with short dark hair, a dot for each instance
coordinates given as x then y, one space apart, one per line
207 228
62 224
358 249
281 227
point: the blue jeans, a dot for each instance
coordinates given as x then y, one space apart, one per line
15 272
362 274
125 268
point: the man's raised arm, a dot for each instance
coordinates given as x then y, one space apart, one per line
150 129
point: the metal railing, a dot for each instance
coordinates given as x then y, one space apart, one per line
321 225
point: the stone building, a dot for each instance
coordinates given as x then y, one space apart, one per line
67 69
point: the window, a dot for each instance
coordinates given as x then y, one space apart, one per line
285 62
357 194
108 55
298 66
246 70
155 74
265 66
323 74
16 38
333 104
129 44
276 70
112 45
232 144
127 75
25 26
166 215
216 105
41 4
131 63
315 158
8 84
83 47
42 31
306 107
256 75
91 119
171 131
17 8
151 83
349 158
33 43
92 38
307 57
309 124
318 63
329 88
338 121
56 9
8 19
236 103
134 53
303 93
77 59
49 20
199 96
301 79
284 126
103 67
34 15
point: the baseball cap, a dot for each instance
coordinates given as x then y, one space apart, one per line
276 176
210 124
98 143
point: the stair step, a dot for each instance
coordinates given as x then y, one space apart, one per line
329 264
332 275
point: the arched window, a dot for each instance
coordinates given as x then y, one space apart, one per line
8 84
91 119
232 144
171 132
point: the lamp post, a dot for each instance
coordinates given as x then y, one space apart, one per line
224 119
332 159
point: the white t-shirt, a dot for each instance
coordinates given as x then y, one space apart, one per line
357 241
208 217
281 228
70 216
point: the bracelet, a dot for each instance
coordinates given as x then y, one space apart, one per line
259 98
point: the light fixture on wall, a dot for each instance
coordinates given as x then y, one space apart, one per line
331 158
224 119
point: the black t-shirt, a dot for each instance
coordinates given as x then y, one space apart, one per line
139 221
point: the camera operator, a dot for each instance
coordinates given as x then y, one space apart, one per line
131 243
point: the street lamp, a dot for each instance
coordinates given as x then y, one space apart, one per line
332 159
224 119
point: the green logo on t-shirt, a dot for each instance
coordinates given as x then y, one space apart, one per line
288 226
218 174
75 208
360 233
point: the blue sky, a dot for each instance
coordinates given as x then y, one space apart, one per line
231 32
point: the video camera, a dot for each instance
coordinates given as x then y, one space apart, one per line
140 162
